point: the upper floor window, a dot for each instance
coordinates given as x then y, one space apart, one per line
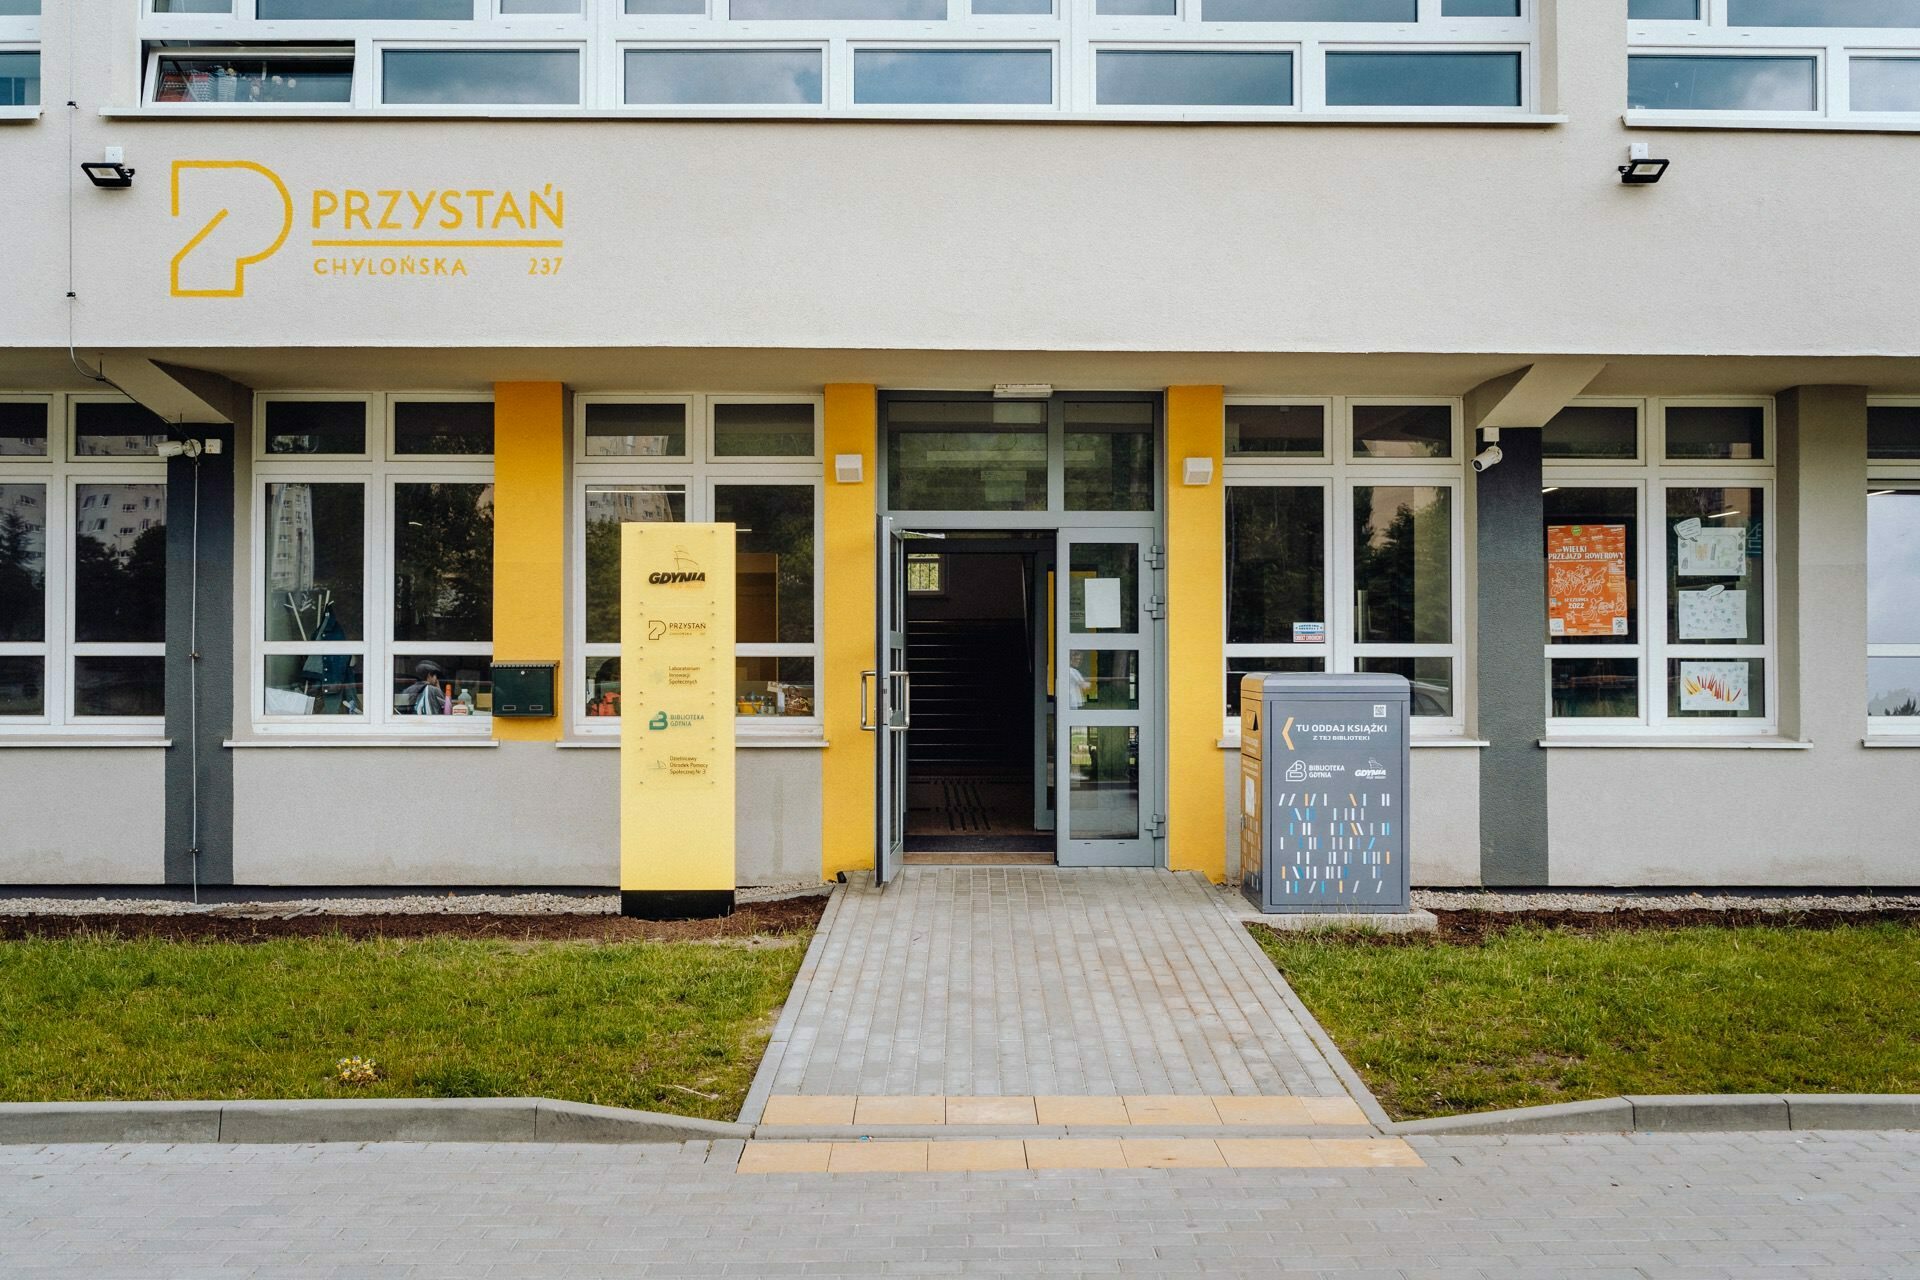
1893 566
1813 58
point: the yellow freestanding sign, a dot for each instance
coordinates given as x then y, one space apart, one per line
676 720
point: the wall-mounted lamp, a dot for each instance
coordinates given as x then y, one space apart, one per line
849 468
1197 471
108 171
1641 170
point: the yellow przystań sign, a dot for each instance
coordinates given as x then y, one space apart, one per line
676 719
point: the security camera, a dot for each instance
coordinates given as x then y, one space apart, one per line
1488 457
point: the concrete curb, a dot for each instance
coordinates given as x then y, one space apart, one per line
1417 920
350 1120
1685 1113
761 1087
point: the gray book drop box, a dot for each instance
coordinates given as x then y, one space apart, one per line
1323 792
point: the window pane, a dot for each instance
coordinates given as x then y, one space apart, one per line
119 686
607 510
443 562
967 455
763 430
1662 82
1893 686
1238 668
636 430
366 10
773 686
995 8
25 8
1659 10
120 563
1885 84
23 686
1403 564
1423 79
1131 8
443 684
19 79
1103 588
1276 565
805 10
1592 431
1596 688
1893 567
304 684
1254 430
23 429
773 564
253 79
1822 13
1109 457
1103 770
1593 578
1311 10
985 77
1716 591
316 426
1480 8
23 563
539 6
1893 432
164 6
1195 78
116 429
603 687
926 574
1402 431
1431 680
461 427
1716 431
315 562
1104 680
642 8
721 76
1716 688
485 77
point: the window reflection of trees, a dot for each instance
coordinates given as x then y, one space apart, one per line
443 562
1402 565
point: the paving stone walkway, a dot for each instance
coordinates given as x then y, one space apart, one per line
1024 981
1769 1206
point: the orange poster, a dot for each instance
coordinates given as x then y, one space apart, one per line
1587 580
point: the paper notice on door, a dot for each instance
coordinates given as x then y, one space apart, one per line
1712 553
1713 614
1102 607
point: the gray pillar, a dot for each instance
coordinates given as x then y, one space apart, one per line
200 717
1511 626
1820 549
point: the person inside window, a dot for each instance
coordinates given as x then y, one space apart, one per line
426 696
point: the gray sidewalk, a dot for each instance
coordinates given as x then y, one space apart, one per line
998 981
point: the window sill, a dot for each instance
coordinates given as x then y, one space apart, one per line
1892 740
1744 120
19 115
1454 119
1643 742
341 740
43 740
1418 743
741 742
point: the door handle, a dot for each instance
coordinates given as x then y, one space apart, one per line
864 726
906 700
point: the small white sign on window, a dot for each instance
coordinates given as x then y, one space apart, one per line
1102 605
1309 633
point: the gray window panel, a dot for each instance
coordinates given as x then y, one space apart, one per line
1310 10
1385 79
120 563
169 6
1823 13
316 426
116 429
642 8
23 686
758 429
254 80
636 430
813 10
19 79
1885 84
1893 433
1257 429
484 77
1688 82
989 77
1584 688
512 7
31 8
994 8
1480 8
1135 8
1194 78
452 427
1663 10
1893 687
366 10
1893 568
1402 431
1735 432
119 686
1592 431
687 77
23 563
23 429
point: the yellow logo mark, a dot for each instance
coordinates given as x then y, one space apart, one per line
240 264
1286 731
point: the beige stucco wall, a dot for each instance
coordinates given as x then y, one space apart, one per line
76 815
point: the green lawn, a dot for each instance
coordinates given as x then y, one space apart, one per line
663 1026
1533 1016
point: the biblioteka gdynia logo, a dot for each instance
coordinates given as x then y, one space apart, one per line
239 214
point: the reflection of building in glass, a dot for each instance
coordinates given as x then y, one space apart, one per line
115 515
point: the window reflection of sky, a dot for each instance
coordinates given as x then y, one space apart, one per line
492 77
1689 83
995 77
771 77
1893 568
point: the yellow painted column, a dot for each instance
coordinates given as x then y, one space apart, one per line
530 539
1196 633
848 517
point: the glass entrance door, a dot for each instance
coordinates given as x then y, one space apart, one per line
1105 708
892 705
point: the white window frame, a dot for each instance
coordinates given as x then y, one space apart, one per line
1905 475
150 86
1337 473
1098 47
1650 476
819 47
377 472
698 473
59 472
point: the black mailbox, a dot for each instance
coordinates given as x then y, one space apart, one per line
523 689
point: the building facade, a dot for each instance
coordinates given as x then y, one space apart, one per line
1145 343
